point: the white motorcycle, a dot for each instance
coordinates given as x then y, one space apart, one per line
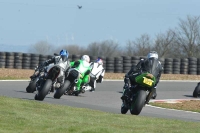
53 79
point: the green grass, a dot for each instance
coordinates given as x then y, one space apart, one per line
27 116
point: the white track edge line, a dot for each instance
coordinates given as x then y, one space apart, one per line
173 109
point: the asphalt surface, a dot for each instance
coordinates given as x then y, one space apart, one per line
107 98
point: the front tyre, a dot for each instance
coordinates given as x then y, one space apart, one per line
138 102
196 91
59 92
32 86
44 90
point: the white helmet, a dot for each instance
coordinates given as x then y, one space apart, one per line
86 58
152 54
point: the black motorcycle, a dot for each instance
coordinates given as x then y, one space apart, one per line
138 94
142 89
73 77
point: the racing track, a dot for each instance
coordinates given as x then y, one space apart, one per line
107 98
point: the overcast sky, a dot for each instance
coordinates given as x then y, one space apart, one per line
25 22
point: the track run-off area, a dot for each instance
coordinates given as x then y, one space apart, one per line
107 97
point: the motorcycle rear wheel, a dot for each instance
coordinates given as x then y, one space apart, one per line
44 91
59 92
138 102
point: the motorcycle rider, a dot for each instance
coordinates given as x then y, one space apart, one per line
83 65
97 73
62 57
143 65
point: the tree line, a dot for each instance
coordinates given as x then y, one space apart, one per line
181 42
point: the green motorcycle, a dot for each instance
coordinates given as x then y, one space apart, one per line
139 94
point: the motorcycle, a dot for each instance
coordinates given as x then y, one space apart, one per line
32 84
73 76
142 88
138 94
196 92
53 79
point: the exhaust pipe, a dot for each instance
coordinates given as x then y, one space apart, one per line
76 81
57 85
83 89
86 88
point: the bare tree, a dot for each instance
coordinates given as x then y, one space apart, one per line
129 50
94 49
164 44
41 47
107 48
140 47
188 36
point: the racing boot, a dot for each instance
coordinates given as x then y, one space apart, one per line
92 90
126 92
154 95
77 91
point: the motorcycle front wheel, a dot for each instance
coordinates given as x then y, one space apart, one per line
32 86
196 91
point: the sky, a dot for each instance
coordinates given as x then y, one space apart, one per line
26 22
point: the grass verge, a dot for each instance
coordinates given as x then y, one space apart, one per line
24 116
190 105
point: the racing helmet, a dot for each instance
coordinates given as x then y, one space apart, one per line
64 54
152 54
99 61
85 58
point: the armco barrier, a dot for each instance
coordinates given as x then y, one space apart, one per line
123 64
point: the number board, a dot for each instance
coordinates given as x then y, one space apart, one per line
147 81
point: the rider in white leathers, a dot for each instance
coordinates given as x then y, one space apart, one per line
97 73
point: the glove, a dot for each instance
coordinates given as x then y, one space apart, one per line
87 72
76 64
126 79
41 67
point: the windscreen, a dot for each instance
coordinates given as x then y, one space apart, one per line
151 65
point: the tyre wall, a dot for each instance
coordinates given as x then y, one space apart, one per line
110 64
17 60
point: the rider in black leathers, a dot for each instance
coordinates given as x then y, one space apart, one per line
142 66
